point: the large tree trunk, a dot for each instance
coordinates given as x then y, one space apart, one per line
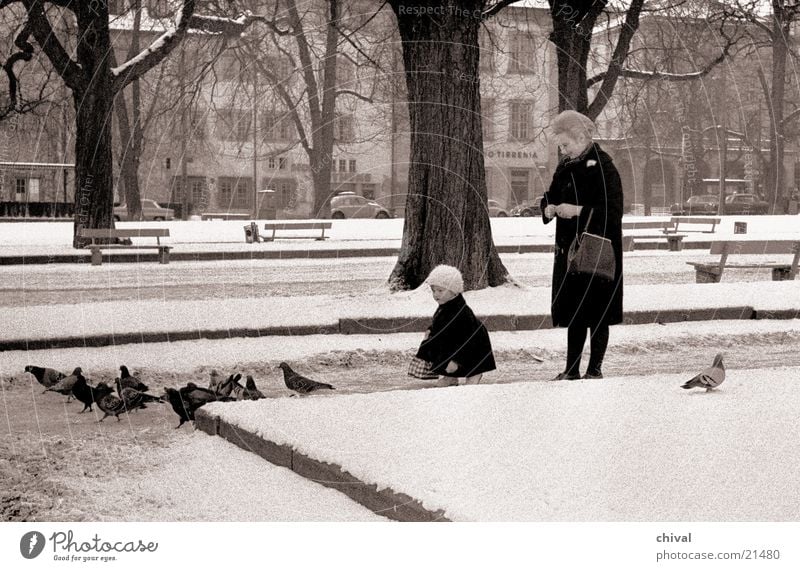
446 217
94 196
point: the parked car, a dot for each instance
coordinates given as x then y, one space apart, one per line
351 205
496 210
527 208
698 204
745 203
151 210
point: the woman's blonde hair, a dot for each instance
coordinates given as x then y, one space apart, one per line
574 124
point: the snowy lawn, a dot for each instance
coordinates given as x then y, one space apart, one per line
141 316
620 449
343 233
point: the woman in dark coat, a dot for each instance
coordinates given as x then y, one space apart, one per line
585 183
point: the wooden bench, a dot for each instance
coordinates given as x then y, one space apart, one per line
313 225
667 231
708 225
712 272
113 234
225 216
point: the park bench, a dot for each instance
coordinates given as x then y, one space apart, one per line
667 232
712 272
225 216
294 225
695 224
107 239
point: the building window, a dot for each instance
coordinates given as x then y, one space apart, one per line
487 119
342 165
198 126
344 128
278 126
521 119
21 187
285 191
520 185
522 56
234 193
352 165
234 125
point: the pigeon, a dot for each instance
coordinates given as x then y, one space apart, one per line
185 401
127 380
83 392
247 392
710 378
134 399
108 402
46 376
224 389
299 383
64 386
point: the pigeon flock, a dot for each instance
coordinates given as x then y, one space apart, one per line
130 393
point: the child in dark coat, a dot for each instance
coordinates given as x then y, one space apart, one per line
457 343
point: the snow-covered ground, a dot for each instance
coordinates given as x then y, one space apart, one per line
623 449
631 447
363 233
325 311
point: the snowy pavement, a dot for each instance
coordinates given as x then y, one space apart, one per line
620 449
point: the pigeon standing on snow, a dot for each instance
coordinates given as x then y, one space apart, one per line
299 383
64 386
46 376
710 378
126 380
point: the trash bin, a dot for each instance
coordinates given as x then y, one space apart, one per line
250 233
740 227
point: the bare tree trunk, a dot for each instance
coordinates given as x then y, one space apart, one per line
129 158
780 35
94 171
94 178
446 217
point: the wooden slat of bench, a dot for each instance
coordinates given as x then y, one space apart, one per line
290 225
733 247
127 247
741 266
123 232
676 221
646 225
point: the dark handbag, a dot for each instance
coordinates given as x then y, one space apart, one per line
592 255
421 369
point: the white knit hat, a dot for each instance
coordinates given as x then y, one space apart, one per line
447 277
